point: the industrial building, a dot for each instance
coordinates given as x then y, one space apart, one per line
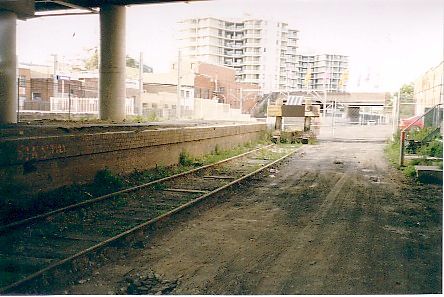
428 89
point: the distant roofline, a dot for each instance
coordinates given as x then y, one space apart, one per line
234 20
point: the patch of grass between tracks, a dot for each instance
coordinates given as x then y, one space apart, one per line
15 206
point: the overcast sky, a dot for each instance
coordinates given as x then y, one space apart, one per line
389 42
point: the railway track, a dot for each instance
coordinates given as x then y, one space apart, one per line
35 250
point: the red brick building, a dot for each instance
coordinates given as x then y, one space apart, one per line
214 81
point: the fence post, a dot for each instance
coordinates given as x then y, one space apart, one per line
18 99
69 100
401 148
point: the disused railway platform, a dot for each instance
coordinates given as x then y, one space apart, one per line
40 156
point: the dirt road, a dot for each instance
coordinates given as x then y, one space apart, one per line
334 219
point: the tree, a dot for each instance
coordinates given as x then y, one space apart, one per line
92 62
407 91
407 107
131 62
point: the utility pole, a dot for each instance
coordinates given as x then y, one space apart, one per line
398 109
394 107
138 103
18 98
54 81
69 99
178 86
241 100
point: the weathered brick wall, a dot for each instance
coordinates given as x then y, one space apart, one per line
43 163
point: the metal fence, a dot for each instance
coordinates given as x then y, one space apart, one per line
430 121
44 97
83 105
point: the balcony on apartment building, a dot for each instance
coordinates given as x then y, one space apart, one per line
234 45
252 53
234 27
250 71
237 62
234 54
252 34
252 62
291 51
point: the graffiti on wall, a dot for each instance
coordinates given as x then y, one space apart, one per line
38 152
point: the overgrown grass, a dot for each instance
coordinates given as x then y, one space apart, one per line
431 149
392 152
18 207
419 135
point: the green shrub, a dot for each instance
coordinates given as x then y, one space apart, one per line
217 150
185 159
433 149
107 180
392 151
419 135
409 171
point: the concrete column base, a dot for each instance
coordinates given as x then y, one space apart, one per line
112 90
8 67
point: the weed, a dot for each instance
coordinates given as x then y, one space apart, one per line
105 180
159 186
420 134
433 149
120 202
152 117
392 151
217 150
312 140
185 159
409 171
138 119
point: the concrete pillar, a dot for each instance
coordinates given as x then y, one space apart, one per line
112 62
8 68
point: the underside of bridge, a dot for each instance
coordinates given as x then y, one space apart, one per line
112 47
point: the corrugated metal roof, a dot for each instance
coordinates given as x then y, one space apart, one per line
295 100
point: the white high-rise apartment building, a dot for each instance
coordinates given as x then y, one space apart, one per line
262 52
326 71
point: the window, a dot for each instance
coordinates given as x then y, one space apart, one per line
36 96
22 81
197 93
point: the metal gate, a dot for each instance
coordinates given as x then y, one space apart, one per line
348 122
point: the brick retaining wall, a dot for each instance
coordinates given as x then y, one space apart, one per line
42 163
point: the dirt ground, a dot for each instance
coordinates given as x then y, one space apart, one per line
335 218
